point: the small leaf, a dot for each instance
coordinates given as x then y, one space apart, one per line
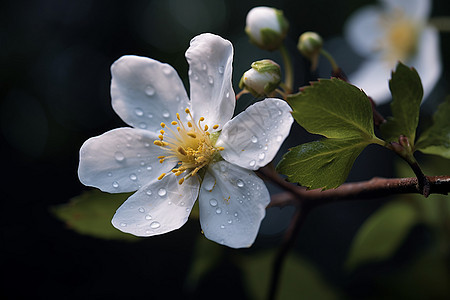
299 278
91 214
321 164
407 94
382 233
436 140
334 109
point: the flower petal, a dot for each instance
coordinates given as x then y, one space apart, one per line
210 59
146 92
372 77
232 204
253 137
418 9
427 61
363 30
157 208
121 160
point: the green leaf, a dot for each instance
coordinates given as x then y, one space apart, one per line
299 278
91 214
407 94
436 140
382 233
334 109
321 164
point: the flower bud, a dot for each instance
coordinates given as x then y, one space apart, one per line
262 79
310 44
266 27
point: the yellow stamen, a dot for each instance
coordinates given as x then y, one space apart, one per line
182 151
161 160
181 181
189 124
158 143
178 128
161 137
192 135
215 126
161 156
174 123
161 176
201 119
162 131
163 125
187 111
206 128
220 148
178 116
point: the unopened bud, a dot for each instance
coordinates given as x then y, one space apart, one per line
266 27
262 79
310 44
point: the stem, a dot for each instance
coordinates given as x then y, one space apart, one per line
330 58
441 23
288 71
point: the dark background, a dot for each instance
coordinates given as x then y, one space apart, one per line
54 91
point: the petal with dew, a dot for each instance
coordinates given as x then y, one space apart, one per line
210 59
121 160
146 92
363 30
232 202
252 138
159 207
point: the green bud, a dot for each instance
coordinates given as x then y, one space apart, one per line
267 27
310 44
262 79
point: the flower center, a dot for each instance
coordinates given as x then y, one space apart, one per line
191 144
401 36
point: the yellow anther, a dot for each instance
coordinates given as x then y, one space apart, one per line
161 176
163 125
161 160
162 131
220 148
158 143
201 119
189 124
174 123
181 150
187 111
192 135
164 143
178 128
215 126
178 116
161 137
178 173
181 181
207 133
206 127
161 156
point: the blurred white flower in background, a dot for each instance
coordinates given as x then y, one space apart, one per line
396 30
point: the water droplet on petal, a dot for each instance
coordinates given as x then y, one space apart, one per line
222 226
165 114
139 112
254 139
119 156
221 69
279 138
218 210
162 192
149 90
148 217
252 163
167 70
148 192
261 156
143 125
227 95
133 177
230 221
239 183
109 174
149 168
204 67
115 184
155 225
123 224
141 209
210 80
236 214
208 183
213 202
149 116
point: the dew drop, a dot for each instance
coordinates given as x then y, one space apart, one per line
149 90
141 209
252 163
222 226
123 224
162 192
208 183
119 156
254 139
204 67
239 183
236 214
115 184
149 116
133 177
149 168
279 138
148 192
143 125
109 174
155 225
221 70
210 80
147 145
165 114
182 204
167 70
227 95
218 210
142 163
213 202
195 76
261 156
139 112
230 221
148 217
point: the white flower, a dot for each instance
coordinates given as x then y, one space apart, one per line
176 145
266 26
385 34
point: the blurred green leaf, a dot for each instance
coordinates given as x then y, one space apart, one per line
321 164
334 109
91 214
436 140
407 94
299 278
206 256
382 233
